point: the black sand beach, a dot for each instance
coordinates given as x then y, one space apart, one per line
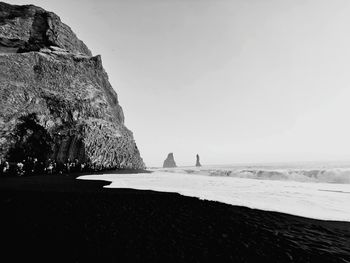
61 219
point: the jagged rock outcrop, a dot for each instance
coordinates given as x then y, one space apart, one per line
198 164
30 28
48 73
169 162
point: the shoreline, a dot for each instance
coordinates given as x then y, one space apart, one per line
80 220
323 201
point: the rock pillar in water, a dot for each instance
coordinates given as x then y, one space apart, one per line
169 161
198 164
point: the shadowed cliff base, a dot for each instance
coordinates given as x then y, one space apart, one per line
67 220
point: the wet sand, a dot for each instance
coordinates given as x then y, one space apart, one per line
61 219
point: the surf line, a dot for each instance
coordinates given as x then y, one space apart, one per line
335 191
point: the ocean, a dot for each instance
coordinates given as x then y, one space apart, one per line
313 190
331 172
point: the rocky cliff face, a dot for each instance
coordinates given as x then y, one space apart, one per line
169 162
47 72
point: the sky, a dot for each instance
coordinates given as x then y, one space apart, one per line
236 81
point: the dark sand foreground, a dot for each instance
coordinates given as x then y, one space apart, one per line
61 219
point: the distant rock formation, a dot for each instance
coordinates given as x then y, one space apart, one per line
49 79
198 164
169 161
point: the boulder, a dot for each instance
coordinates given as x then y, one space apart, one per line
49 77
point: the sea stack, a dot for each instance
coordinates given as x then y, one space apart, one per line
51 83
198 164
169 161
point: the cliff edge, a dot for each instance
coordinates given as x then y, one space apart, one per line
54 93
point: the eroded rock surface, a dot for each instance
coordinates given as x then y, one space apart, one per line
47 71
169 162
29 28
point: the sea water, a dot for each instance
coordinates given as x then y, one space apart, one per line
332 172
320 191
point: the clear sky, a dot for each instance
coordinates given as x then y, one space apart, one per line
232 80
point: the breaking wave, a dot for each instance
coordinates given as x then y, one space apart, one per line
335 175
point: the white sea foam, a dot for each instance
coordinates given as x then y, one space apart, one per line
322 175
327 201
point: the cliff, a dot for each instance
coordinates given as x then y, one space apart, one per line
49 77
169 162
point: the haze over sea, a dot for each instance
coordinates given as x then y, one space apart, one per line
314 190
